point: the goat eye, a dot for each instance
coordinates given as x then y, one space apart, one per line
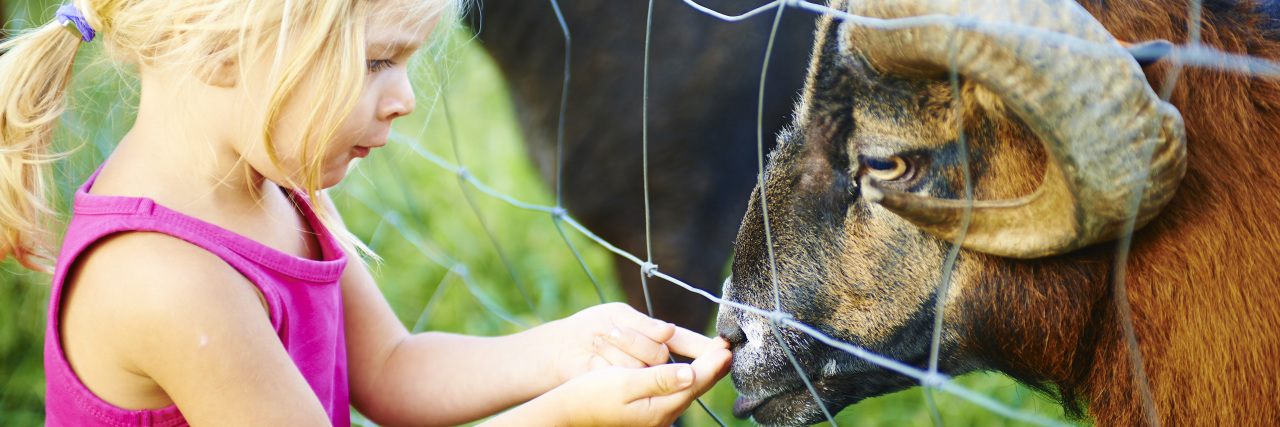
886 169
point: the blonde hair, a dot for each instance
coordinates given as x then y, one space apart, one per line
326 40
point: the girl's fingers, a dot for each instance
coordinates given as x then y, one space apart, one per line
624 317
637 346
692 344
706 371
614 356
709 368
661 380
680 340
657 395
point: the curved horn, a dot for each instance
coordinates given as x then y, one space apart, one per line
1097 117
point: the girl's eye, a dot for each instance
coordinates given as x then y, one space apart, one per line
886 169
379 65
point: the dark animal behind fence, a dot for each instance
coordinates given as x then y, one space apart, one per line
704 80
859 255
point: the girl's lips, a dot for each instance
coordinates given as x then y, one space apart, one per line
360 151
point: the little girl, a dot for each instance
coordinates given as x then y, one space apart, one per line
205 278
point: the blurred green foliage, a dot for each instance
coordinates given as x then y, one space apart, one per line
415 214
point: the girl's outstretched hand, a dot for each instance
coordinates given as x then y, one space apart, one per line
623 396
652 396
608 366
617 335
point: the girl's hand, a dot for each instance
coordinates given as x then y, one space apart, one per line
652 396
617 335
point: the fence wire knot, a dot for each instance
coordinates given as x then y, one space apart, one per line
648 268
463 172
933 380
460 270
779 318
558 213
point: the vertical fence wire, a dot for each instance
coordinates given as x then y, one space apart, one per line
1120 293
559 213
578 256
764 212
948 266
648 266
1120 297
429 309
1119 288
466 192
760 173
564 103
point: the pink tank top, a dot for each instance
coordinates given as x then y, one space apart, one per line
303 296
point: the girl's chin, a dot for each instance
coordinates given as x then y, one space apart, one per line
330 181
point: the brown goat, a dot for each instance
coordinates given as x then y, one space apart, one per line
1201 279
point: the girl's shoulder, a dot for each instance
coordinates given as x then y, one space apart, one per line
138 302
140 267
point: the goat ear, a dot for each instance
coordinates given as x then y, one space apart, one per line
1148 52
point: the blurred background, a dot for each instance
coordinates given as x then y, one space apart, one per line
443 269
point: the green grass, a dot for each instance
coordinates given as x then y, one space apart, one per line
416 215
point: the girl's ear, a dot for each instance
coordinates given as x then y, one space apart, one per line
224 74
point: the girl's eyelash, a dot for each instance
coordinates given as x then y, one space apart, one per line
377 65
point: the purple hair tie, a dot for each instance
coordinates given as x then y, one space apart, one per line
68 15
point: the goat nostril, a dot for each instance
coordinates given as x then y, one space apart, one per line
728 329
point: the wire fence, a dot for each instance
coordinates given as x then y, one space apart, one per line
1191 54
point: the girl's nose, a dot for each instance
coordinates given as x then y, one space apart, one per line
398 99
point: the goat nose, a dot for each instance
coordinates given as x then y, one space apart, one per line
727 321
727 327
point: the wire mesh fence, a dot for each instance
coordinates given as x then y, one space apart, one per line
930 378
387 197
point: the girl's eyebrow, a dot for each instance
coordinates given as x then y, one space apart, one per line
394 47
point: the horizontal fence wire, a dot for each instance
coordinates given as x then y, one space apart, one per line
1192 54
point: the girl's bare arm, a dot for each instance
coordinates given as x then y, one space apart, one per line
446 379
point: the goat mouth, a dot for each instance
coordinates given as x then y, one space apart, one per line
794 407
744 406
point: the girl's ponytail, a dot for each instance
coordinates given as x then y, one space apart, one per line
35 69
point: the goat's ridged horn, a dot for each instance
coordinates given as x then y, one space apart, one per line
1099 120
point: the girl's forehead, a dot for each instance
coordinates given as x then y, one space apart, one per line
393 29
404 19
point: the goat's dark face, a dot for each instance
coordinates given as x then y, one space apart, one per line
867 275
846 265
